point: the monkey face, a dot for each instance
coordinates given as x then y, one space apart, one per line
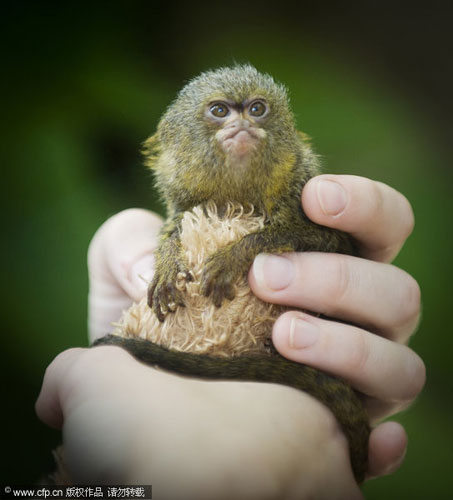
228 131
239 125
228 116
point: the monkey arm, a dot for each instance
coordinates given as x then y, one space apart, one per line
163 295
289 230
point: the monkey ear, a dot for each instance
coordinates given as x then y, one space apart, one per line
305 138
150 150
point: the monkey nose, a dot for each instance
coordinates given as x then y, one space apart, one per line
238 123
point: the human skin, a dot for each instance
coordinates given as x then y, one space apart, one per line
242 439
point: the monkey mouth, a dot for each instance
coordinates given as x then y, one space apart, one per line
240 141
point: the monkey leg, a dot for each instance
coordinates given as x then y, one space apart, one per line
164 294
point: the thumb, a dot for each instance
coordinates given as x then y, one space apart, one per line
120 264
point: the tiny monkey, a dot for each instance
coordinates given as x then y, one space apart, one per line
230 137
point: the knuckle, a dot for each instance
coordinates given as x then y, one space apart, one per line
69 354
381 198
408 219
420 374
410 302
414 295
84 363
416 376
376 198
98 364
369 200
358 356
64 362
99 355
340 277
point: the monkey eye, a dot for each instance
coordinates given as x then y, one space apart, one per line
257 108
219 110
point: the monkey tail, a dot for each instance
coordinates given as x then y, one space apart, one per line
336 394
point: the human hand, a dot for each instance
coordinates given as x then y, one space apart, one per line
380 300
126 423
122 251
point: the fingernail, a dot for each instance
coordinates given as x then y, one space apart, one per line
332 197
390 469
395 464
272 271
302 334
141 272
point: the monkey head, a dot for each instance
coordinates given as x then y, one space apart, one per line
224 133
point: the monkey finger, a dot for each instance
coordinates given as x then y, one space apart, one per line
150 294
230 292
217 297
206 285
379 297
158 311
184 275
375 366
218 293
222 290
174 296
157 306
376 215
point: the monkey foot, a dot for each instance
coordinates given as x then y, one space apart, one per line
217 280
165 293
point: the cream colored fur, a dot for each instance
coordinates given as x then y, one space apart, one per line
240 326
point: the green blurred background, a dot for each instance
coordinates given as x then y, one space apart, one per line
85 85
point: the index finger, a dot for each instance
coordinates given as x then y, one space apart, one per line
376 215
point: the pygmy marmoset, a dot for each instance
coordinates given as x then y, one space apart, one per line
230 137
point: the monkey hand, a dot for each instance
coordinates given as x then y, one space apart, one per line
219 275
166 290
